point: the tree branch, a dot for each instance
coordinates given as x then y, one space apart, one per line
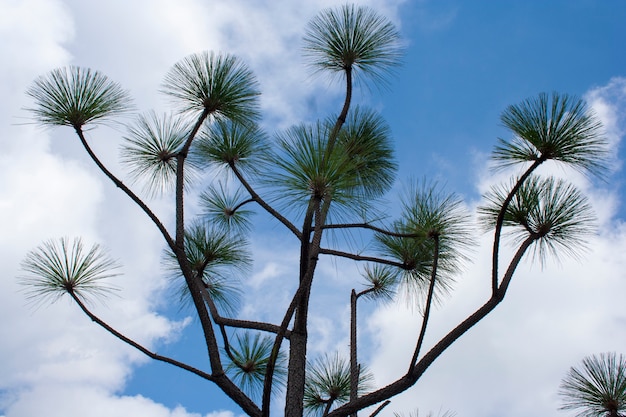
329 403
298 342
180 182
252 325
304 237
220 377
371 227
408 380
274 213
195 288
136 345
119 184
341 119
500 222
380 408
238 206
356 257
214 314
429 301
354 368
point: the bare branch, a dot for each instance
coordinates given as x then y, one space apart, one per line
136 345
355 257
429 301
370 227
500 222
274 213
125 189
380 408
238 323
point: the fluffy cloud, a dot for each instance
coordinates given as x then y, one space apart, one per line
57 362
91 401
54 354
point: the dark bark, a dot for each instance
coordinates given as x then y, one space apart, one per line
299 335
380 408
308 259
341 119
429 301
370 227
500 222
354 366
355 257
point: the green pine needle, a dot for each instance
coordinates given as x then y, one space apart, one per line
59 267
429 212
223 207
352 37
227 143
557 127
220 84
150 150
74 96
328 381
552 211
382 282
218 258
249 364
597 388
359 169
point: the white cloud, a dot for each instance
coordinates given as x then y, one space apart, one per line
89 401
55 361
32 33
607 102
52 352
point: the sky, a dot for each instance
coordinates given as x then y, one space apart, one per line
464 63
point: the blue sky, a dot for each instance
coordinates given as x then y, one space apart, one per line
464 63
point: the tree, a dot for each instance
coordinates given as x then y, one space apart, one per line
597 388
311 179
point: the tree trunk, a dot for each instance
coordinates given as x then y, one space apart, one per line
354 366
